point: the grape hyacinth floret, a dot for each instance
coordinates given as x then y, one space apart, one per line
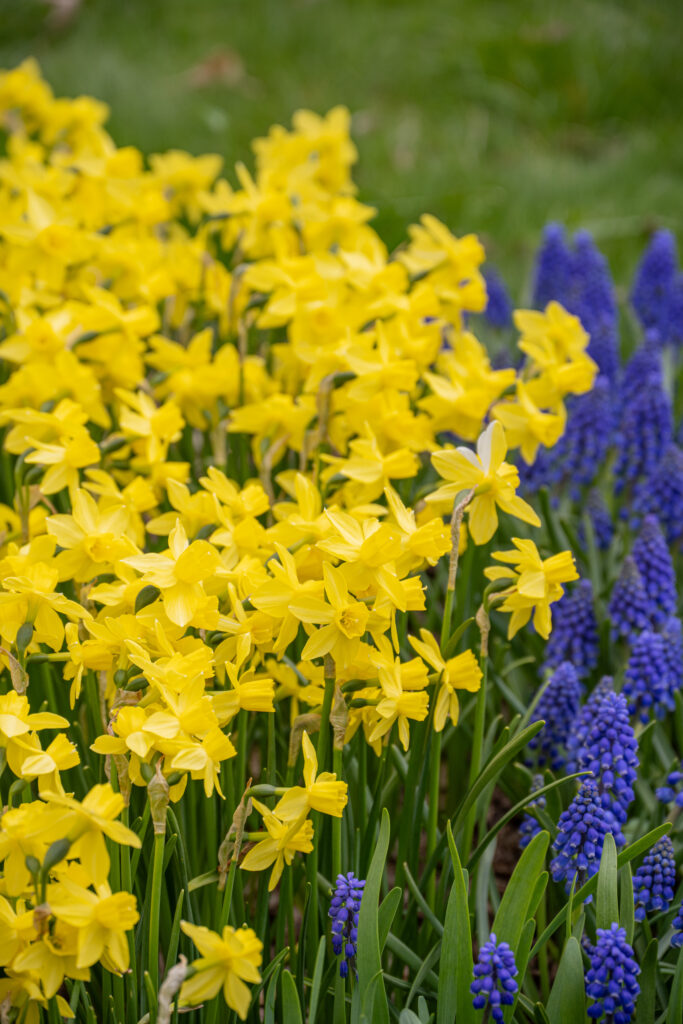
655 879
646 683
611 980
630 608
584 446
672 327
580 837
575 631
592 298
651 555
494 982
610 752
344 910
558 707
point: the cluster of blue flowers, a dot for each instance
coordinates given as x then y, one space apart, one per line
581 833
494 984
612 978
574 637
630 610
610 752
647 683
655 879
344 910
558 707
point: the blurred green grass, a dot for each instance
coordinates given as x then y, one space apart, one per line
496 116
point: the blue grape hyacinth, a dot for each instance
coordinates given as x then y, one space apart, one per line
581 833
672 792
574 636
645 432
592 298
586 441
612 979
651 555
677 938
498 310
672 635
610 752
630 609
558 707
655 879
662 494
584 721
553 267
672 328
654 278
494 984
344 910
646 683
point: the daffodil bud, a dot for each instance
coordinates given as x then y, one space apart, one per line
56 853
157 792
146 596
24 637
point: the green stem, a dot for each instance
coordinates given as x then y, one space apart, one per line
154 907
434 788
336 822
475 763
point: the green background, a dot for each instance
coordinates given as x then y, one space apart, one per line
496 116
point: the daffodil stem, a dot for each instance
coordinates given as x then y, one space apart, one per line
324 734
336 822
227 896
432 820
154 908
477 746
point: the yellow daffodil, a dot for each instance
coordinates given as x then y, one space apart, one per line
281 841
227 961
323 792
535 584
493 481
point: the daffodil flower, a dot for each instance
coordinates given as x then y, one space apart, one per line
493 481
323 792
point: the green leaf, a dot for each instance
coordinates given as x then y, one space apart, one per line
627 910
271 992
317 980
455 968
172 953
408 1017
373 1002
387 913
425 969
291 1008
513 911
675 1011
567 1001
589 887
645 1005
607 904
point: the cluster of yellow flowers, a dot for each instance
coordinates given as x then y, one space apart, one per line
220 406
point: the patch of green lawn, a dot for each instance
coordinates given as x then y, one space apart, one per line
495 115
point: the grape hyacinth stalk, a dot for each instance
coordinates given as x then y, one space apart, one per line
344 909
610 752
580 837
494 984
